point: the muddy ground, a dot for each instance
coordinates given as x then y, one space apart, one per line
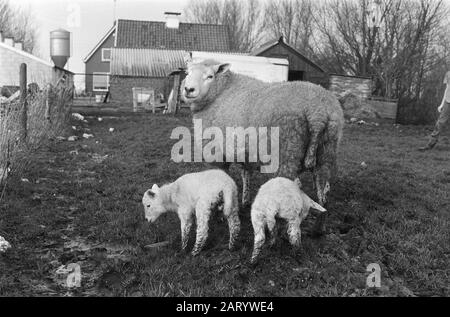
79 202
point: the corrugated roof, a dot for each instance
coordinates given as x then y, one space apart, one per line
189 36
145 62
264 47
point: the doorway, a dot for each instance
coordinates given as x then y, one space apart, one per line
294 75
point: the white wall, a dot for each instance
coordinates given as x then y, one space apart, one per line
38 71
262 68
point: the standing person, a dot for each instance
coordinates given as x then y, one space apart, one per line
444 110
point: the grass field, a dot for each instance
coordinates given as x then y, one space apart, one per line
80 203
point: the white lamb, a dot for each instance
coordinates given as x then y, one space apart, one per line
196 194
283 198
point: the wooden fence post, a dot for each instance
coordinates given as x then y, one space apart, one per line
23 100
176 91
47 103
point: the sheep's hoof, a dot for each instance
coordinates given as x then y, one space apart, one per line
246 204
183 251
253 262
272 243
195 252
310 162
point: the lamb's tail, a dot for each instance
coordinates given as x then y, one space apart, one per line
315 206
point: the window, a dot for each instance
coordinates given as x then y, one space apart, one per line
106 54
100 81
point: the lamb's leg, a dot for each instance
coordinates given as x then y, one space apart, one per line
315 133
186 224
245 173
259 226
322 185
202 213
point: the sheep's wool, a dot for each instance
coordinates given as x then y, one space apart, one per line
280 198
297 108
4 245
196 195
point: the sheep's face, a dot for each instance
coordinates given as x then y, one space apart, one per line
199 81
153 205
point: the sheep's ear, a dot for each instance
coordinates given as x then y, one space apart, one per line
150 193
221 68
187 58
316 206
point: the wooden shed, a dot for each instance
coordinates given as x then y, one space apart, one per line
300 67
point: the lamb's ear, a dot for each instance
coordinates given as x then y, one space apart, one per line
316 206
155 188
150 193
221 68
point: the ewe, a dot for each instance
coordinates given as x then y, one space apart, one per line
196 194
282 198
310 119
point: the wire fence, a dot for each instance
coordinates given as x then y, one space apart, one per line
46 115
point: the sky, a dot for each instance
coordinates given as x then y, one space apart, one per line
88 21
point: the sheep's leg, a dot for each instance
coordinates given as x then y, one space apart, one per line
316 131
231 212
186 225
322 186
234 225
203 213
294 232
245 173
271 222
259 226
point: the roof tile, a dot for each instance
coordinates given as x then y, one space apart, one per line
189 36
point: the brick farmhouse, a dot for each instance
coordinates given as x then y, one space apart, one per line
144 53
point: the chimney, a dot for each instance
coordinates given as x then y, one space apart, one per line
19 45
9 41
172 20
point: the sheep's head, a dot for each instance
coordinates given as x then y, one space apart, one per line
201 83
153 204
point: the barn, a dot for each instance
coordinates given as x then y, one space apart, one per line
134 68
300 67
120 60
342 85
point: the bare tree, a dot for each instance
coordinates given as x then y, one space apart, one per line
5 14
292 19
241 17
18 23
395 52
402 44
